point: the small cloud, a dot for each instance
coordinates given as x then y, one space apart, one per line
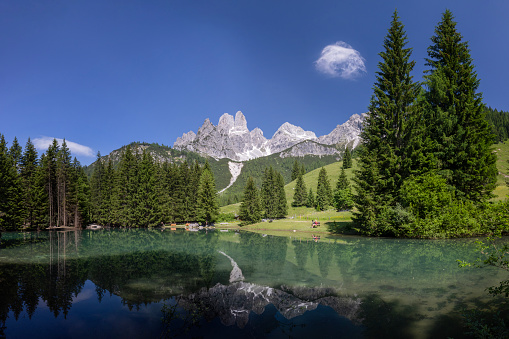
341 60
43 143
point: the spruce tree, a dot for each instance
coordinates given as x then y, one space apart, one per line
146 207
208 206
347 158
10 190
295 170
282 204
323 191
455 115
300 193
387 133
269 197
343 198
97 181
250 210
31 189
310 202
342 181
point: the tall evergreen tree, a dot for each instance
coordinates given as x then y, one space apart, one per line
343 198
387 131
323 191
31 190
96 189
10 189
208 205
310 202
455 115
250 210
282 207
347 158
63 184
300 193
146 213
296 170
49 178
342 181
269 197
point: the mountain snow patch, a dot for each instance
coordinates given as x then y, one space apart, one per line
235 169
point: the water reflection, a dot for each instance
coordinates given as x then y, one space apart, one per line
397 288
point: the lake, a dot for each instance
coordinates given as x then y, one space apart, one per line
158 283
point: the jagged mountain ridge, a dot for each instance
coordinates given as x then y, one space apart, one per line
232 139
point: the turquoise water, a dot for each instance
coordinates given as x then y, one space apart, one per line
153 283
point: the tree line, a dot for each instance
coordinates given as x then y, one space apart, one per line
53 190
48 191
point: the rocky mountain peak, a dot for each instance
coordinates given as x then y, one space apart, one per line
232 139
226 122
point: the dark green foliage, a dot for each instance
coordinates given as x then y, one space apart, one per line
295 170
343 197
342 181
207 204
347 158
32 191
300 194
273 198
310 202
456 117
499 122
51 191
323 191
388 132
282 207
250 210
10 189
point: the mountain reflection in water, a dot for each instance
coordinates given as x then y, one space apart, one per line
116 283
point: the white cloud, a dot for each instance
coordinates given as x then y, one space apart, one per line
341 60
43 143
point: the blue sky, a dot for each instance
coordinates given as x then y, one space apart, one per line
102 74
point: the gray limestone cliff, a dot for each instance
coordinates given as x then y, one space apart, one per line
232 139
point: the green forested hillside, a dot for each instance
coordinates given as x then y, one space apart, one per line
255 168
162 153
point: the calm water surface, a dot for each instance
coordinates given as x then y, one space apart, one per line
153 283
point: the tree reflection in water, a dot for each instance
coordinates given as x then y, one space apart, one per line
384 287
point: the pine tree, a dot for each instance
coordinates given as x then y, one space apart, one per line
146 213
343 198
10 190
387 133
49 182
323 191
208 206
250 210
310 202
97 190
296 170
63 173
31 190
455 115
342 181
300 193
347 158
269 197
282 204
